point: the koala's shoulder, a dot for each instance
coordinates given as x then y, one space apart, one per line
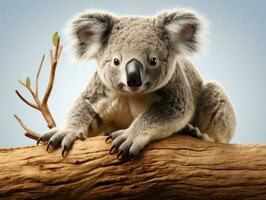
192 76
185 77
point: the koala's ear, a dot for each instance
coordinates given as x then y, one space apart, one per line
88 32
184 28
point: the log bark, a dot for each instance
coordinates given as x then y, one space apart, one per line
175 168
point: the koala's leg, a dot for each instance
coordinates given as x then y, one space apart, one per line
215 116
161 120
81 119
195 132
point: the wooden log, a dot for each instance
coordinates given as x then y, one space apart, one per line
180 167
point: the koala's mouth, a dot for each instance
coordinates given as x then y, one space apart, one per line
133 90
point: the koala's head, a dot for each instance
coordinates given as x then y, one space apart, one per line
135 54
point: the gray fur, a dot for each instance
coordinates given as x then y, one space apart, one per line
173 94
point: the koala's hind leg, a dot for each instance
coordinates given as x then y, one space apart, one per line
195 132
215 115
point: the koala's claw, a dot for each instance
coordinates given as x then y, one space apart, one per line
108 139
49 144
64 152
191 131
113 150
195 132
38 141
120 155
64 137
126 143
108 133
46 137
124 156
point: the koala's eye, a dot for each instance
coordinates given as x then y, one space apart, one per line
116 61
153 61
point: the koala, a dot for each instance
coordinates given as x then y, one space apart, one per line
145 88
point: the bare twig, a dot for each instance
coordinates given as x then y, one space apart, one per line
51 57
29 133
37 76
54 60
28 88
59 53
42 106
26 101
36 98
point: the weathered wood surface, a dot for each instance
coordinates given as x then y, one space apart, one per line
175 168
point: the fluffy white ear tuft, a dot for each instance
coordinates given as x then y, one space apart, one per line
185 28
88 31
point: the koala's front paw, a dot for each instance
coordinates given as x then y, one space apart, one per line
126 143
65 137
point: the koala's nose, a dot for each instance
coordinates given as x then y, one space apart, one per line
133 72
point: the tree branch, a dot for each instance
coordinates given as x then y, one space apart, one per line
54 61
37 76
29 89
42 106
29 133
26 101
175 168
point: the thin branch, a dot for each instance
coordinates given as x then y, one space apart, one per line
52 74
59 53
29 133
51 57
50 84
36 98
57 48
37 76
28 88
26 101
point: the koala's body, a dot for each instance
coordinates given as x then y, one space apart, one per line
144 88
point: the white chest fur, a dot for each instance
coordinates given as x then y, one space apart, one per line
121 110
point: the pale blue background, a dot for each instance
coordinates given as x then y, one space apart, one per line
236 56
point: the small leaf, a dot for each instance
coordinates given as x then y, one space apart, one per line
55 38
28 82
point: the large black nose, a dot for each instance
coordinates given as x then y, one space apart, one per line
133 71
